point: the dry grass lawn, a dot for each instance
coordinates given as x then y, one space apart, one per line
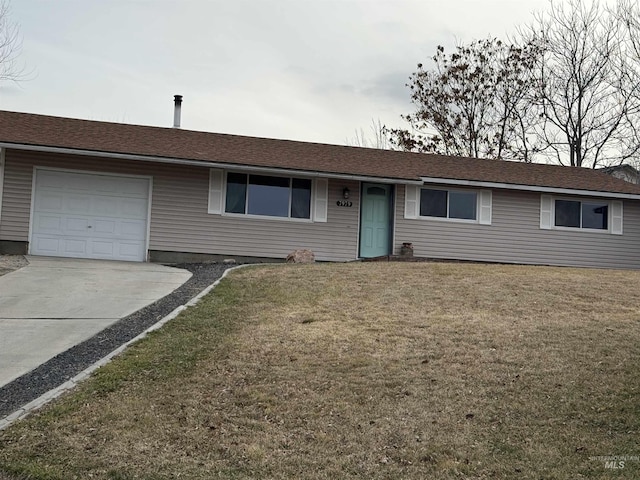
374 370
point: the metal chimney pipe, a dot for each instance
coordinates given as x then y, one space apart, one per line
177 100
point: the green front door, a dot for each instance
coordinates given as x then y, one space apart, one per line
375 220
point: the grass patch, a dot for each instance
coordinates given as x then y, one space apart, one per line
363 371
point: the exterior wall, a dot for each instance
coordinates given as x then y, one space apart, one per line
16 202
180 222
515 236
179 218
1 179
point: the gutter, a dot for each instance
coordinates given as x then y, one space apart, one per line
304 173
207 164
531 188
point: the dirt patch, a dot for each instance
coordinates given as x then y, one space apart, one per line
10 263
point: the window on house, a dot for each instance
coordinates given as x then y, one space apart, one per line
448 204
268 196
576 214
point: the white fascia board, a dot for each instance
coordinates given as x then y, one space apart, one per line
530 188
207 164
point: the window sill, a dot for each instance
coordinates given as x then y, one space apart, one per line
267 217
450 220
599 231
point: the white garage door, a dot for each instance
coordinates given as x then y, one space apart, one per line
84 215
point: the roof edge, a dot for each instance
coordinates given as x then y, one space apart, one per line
530 188
205 163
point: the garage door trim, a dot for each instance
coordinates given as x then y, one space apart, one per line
149 179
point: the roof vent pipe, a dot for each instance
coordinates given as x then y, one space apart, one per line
177 99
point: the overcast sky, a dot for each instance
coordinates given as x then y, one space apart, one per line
312 70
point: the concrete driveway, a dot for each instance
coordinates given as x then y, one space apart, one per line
54 303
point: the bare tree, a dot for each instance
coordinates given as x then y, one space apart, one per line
627 13
377 138
10 46
472 103
584 84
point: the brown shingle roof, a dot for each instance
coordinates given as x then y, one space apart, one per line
48 131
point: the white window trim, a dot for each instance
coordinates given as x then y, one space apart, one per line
484 205
411 201
267 217
548 214
320 200
221 191
217 191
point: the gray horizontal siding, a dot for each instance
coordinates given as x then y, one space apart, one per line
16 201
179 218
515 236
181 223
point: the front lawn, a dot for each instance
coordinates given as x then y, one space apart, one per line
365 370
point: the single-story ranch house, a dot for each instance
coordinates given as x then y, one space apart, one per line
78 188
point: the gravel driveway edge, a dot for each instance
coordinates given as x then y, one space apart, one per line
63 372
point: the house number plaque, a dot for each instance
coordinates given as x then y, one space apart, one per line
344 203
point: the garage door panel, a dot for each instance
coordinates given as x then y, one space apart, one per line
130 250
76 226
75 247
50 202
134 188
65 181
90 215
52 180
48 223
102 226
102 248
75 203
106 206
48 245
103 185
133 229
134 208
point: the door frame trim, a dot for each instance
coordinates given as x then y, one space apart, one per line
37 168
